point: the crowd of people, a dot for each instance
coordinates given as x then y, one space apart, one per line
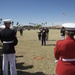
43 35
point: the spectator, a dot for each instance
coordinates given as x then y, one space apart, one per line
43 35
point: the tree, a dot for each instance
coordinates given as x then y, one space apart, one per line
39 26
17 23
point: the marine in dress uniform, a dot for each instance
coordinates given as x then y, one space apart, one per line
9 40
64 52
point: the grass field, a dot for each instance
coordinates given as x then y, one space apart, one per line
34 59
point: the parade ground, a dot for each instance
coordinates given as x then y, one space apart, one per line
31 57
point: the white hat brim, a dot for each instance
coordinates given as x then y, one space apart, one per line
69 26
7 20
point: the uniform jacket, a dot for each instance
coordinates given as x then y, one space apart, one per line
65 49
8 34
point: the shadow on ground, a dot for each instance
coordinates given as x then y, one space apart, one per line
52 40
50 44
27 73
19 56
20 69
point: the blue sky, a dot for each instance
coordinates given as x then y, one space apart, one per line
54 12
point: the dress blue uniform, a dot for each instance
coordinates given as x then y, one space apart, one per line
9 40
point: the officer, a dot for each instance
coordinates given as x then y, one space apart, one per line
9 40
64 52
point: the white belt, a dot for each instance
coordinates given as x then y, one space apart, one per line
67 59
7 41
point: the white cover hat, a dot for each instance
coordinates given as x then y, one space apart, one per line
7 20
69 26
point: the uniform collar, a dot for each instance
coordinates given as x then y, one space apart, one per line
69 38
